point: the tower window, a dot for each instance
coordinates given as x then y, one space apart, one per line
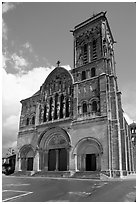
50 111
27 121
84 107
94 49
61 106
85 53
94 106
93 72
33 120
44 118
83 75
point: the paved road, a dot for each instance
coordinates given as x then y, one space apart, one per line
17 189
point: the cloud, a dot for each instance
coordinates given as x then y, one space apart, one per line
4 31
28 46
128 119
14 89
6 6
19 61
129 100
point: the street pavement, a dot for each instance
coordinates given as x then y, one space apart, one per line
42 189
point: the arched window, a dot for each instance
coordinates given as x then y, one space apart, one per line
67 107
50 110
94 106
61 106
44 117
33 120
93 72
27 121
56 100
94 50
84 107
85 53
83 75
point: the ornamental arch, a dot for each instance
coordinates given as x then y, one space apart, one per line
54 146
27 155
56 96
88 153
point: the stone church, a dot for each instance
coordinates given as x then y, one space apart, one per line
75 122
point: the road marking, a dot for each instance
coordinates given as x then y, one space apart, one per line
58 201
130 197
19 184
80 193
11 198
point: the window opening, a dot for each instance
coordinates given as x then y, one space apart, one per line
50 116
61 106
33 120
44 118
85 54
27 121
84 107
94 50
83 76
94 106
67 107
56 100
93 72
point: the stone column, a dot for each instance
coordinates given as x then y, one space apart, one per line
64 107
37 114
125 135
84 162
76 166
47 110
132 153
69 106
46 160
89 108
19 161
129 151
67 159
36 165
89 53
57 151
53 108
42 112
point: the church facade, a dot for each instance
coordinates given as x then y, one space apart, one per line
75 121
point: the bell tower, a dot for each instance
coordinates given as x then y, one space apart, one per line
93 61
93 43
96 96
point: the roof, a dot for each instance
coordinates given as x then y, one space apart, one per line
93 18
133 125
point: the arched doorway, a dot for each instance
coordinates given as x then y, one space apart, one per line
54 145
57 159
27 158
88 153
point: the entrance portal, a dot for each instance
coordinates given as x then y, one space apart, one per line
90 162
30 164
62 165
57 160
52 160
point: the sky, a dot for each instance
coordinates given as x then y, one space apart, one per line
36 35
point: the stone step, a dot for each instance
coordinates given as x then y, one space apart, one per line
59 174
22 173
87 174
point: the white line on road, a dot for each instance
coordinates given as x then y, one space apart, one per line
18 184
58 201
130 197
11 198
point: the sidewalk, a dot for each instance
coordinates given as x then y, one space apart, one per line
130 176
